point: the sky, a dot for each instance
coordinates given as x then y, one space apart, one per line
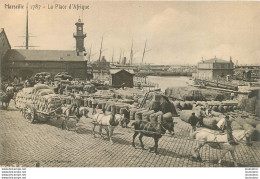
177 33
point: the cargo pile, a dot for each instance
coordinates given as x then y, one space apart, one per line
41 97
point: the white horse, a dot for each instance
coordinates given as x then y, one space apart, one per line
218 141
107 122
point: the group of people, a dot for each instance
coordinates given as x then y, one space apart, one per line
224 126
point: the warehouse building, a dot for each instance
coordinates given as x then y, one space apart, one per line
122 77
214 69
24 63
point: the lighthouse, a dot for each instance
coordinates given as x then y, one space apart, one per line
79 36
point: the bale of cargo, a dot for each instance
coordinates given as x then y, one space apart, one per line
138 114
85 102
168 117
123 111
220 109
146 115
210 122
257 129
154 105
90 103
252 122
252 131
182 104
128 101
132 113
215 108
99 104
153 118
68 100
118 107
241 121
178 105
225 109
189 105
217 114
185 114
129 97
113 109
236 126
230 108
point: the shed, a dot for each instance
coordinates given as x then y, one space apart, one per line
122 76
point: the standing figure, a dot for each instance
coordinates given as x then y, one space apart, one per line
94 105
193 121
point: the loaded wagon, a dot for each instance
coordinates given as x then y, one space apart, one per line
38 103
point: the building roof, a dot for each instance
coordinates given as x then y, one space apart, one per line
42 55
215 60
2 32
114 71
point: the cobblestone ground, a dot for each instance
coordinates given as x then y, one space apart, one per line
25 144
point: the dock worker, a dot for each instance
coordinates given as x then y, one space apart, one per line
225 124
193 121
94 105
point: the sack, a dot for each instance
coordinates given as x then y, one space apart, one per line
221 123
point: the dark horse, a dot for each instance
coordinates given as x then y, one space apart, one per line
6 98
152 129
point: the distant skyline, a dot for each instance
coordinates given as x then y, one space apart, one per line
178 33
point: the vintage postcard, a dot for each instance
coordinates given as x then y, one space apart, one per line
129 84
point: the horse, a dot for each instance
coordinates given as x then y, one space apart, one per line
217 140
108 122
6 98
152 129
71 110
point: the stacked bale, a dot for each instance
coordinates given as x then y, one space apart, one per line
257 129
236 126
211 122
138 114
132 113
119 106
109 104
146 115
168 117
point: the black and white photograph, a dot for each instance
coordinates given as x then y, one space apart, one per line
166 84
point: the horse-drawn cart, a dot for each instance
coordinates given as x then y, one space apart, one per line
38 103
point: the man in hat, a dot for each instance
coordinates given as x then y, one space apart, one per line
225 124
193 120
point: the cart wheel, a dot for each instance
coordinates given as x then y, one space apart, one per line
29 114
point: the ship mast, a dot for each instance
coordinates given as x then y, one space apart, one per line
144 51
131 54
27 30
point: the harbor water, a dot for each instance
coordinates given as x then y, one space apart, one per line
169 81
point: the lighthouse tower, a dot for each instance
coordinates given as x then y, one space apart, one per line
79 36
